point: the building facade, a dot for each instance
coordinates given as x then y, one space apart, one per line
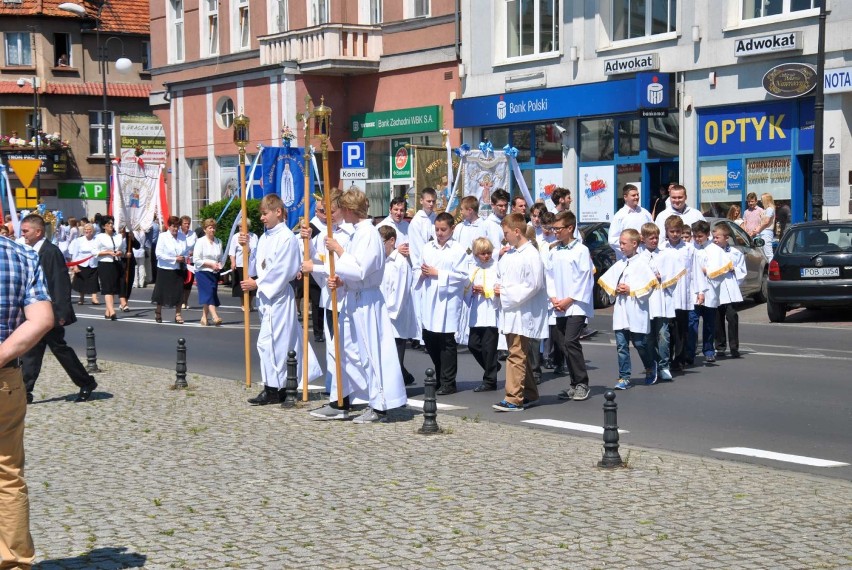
51 81
388 70
716 95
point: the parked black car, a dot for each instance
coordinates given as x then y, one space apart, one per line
596 238
812 267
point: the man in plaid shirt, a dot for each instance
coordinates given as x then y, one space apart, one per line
26 314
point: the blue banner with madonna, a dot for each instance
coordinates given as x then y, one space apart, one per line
284 174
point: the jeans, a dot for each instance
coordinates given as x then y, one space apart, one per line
658 342
622 345
708 332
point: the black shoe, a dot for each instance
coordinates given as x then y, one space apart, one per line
269 395
537 377
502 354
735 354
408 379
86 393
548 363
485 388
319 338
446 390
561 370
30 398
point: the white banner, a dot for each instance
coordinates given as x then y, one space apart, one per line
484 174
597 193
135 194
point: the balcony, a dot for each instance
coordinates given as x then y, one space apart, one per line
329 49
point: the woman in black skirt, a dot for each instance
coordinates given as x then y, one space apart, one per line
171 270
84 250
109 264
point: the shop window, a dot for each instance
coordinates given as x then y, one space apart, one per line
18 48
210 28
377 161
378 196
176 36
521 141
62 50
200 185
225 112
99 143
764 8
628 137
663 137
548 144
641 18
497 137
532 27
597 140
715 196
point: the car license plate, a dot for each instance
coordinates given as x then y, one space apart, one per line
820 272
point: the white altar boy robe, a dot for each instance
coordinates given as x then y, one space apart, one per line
276 261
441 296
396 289
523 293
401 229
421 229
371 368
665 264
569 272
683 298
729 289
465 233
708 271
630 311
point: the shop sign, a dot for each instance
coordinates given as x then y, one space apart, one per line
400 159
653 93
735 176
787 41
632 64
81 191
773 175
837 80
53 161
761 128
142 132
398 122
790 80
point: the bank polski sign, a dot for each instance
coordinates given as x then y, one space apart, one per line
646 62
788 41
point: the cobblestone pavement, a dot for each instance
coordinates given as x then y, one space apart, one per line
148 477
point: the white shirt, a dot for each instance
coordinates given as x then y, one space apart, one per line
276 261
106 242
237 250
626 218
396 289
484 307
630 311
494 232
682 296
441 297
729 290
523 294
689 216
420 230
204 250
569 272
401 229
168 249
82 248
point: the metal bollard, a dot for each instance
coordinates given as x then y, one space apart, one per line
180 367
611 459
430 406
91 353
291 383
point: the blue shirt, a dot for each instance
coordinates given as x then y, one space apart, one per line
21 284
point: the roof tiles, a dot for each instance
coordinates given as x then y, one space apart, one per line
118 16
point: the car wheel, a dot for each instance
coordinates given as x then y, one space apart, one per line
762 295
601 299
777 312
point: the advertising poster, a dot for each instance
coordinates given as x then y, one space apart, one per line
546 181
142 133
597 193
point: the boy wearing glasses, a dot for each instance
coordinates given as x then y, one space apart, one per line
569 276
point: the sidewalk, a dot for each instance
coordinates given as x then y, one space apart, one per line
148 477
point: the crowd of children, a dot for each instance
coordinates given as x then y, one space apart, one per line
528 290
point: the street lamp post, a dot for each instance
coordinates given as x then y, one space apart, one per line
817 168
122 65
33 81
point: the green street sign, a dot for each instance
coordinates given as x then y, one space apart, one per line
399 122
82 191
400 159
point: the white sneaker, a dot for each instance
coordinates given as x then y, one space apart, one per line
665 374
370 416
328 413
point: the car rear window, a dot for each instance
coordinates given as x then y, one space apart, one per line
817 240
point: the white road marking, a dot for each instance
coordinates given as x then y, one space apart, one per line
588 428
819 356
763 454
419 405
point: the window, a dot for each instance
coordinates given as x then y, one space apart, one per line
597 139
146 55
18 48
33 124
98 143
62 50
225 112
279 16
320 11
243 25
210 28
421 8
764 8
176 53
532 27
376 11
200 185
640 18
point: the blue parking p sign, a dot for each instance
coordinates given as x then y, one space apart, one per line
354 154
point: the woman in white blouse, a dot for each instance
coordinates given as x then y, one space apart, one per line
110 246
207 257
171 270
84 251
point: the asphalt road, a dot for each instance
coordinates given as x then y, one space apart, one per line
789 394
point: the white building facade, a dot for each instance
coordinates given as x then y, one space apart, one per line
715 95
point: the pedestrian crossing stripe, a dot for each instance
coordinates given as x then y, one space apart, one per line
569 425
419 405
763 454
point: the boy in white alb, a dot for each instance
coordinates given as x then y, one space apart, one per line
630 216
570 279
275 262
523 312
396 289
484 313
396 220
682 297
729 294
443 274
708 271
630 281
421 230
493 227
666 266
471 226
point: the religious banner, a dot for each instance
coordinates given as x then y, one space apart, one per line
482 173
136 194
596 196
284 174
142 135
430 170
